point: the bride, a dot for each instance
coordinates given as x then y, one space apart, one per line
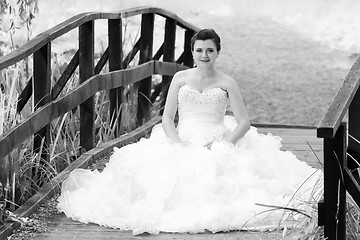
211 172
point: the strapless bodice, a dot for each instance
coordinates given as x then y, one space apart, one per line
201 114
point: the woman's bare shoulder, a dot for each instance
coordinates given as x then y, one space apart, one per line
181 77
227 82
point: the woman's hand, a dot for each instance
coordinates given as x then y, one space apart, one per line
225 142
181 143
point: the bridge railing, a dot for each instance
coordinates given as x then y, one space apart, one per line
340 129
50 104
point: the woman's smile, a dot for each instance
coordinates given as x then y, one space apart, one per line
205 52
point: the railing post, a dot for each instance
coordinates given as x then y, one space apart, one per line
188 58
115 63
86 70
146 51
354 132
334 189
42 88
168 56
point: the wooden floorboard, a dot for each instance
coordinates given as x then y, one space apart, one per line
302 142
61 228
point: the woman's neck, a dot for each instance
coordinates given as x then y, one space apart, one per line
205 72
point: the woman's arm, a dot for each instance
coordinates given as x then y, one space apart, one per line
239 111
170 109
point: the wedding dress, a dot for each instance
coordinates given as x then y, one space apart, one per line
153 185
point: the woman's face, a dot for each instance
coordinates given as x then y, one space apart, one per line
205 53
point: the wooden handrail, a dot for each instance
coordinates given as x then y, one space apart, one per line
44 115
333 117
340 142
42 39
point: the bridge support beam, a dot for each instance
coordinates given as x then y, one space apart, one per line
354 134
146 51
334 187
42 88
115 63
188 59
168 56
86 70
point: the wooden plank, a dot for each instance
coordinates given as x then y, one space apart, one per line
159 52
334 190
180 60
131 54
168 69
42 87
25 95
102 61
169 56
65 76
146 52
352 186
86 70
188 58
337 109
145 10
61 227
354 126
115 63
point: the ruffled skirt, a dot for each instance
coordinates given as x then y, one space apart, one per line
153 185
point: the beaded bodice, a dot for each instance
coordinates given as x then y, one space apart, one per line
201 114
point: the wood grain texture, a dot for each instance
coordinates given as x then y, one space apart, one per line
25 95
168 56
187 55
86 70
339 106
115 63
65 76
334 188
61 227
146 54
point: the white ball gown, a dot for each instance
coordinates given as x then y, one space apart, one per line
153 185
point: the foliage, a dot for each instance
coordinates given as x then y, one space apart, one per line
14 16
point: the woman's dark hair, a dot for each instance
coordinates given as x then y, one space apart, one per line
206 34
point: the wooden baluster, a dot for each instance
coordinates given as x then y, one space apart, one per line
188 58
146 51
115 63
86 70
334 189
168 56
42 88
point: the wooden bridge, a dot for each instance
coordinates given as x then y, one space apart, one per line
332 145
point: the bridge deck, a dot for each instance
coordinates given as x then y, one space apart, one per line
302 142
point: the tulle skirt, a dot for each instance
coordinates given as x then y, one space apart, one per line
153 185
